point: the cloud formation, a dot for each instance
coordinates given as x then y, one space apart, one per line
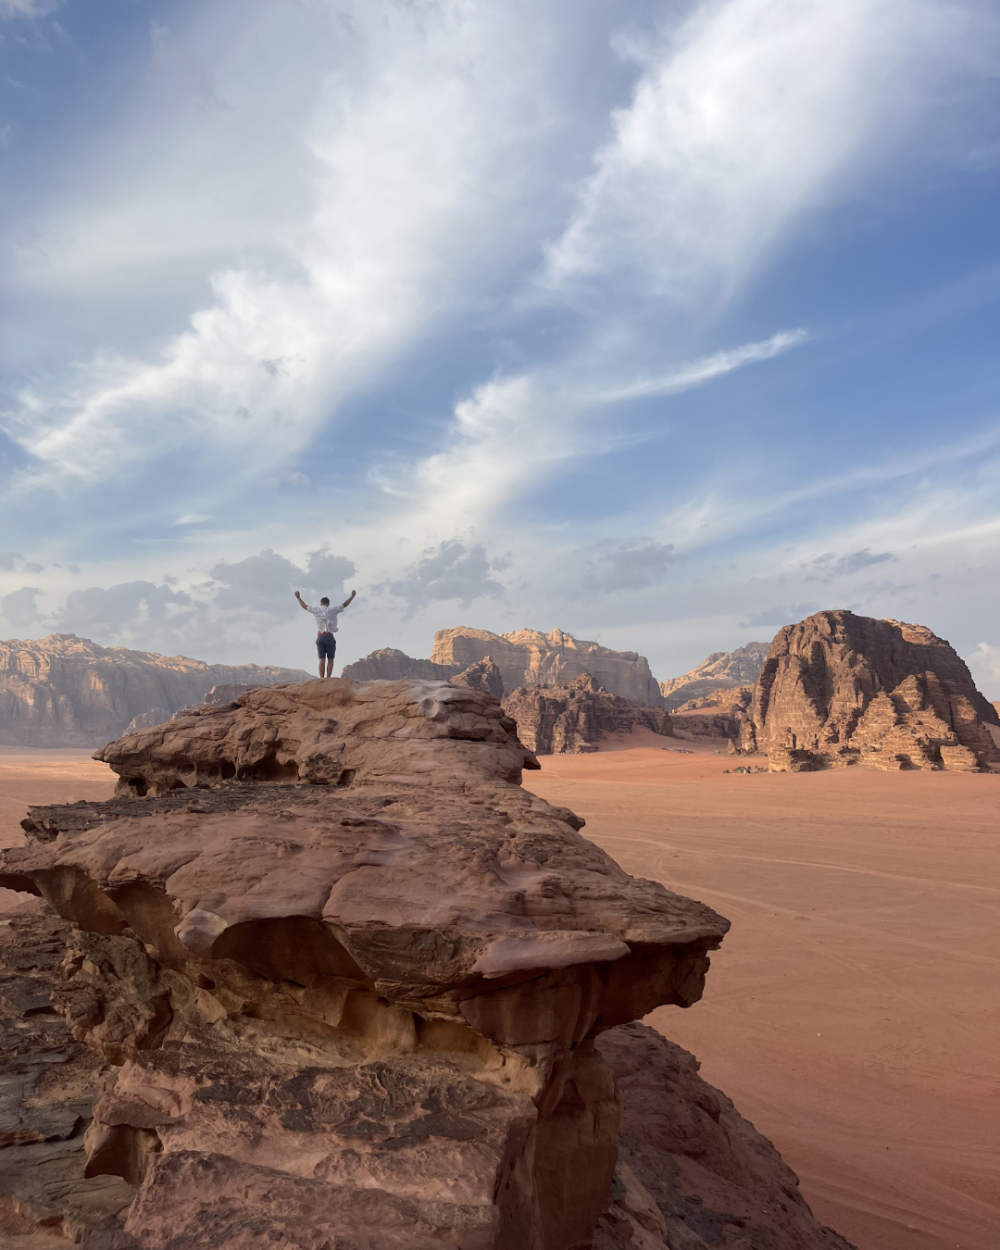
628 566
450 571
779 614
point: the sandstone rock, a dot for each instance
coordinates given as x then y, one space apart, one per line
841 689
574 718
64 691
524 658
483 675
692 1173
721 670
358 1014
155 716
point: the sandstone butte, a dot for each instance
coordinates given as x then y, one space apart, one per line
839 689
324 975
525 657
722 670
574 718
64 691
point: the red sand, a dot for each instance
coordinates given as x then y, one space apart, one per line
853 1011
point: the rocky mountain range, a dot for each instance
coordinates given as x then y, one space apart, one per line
573 719
64 691
524 658
324 974
839 689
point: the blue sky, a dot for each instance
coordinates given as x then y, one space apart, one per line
665 323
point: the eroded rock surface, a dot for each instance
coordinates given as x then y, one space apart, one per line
692 1173
64 691
841 689
571 719
483 675
720 671
524 657
360 1012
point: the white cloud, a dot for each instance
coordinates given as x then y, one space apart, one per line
984 664
450 571
28 8
739 122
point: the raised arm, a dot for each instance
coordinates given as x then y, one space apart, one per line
302 603
347 602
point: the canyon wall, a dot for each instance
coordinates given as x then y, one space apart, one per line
323 973
64 691
839 689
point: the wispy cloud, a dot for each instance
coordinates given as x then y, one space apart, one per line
694 374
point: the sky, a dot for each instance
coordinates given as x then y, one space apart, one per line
663 322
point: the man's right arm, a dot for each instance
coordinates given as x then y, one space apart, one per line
302 603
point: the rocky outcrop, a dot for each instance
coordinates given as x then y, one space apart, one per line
575 718
840 689
483 675
720 671
359 1011
64 691
524 658
692 1173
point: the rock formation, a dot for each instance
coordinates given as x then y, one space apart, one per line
483 675
524 658
841 689
572 719
720 671
719 714
64 691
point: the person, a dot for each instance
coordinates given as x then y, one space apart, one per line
326 622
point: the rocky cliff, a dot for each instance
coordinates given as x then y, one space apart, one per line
571 719
721 670
64 691
338 980
524 658
839 689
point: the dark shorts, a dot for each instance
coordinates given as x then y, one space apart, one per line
326 646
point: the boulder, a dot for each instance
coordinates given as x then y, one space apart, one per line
524 658
840 689
722 670
575 718
64 691
348 976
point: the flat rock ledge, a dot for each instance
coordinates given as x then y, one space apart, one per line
349 997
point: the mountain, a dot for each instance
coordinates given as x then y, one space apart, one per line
719 671
525 657
64 691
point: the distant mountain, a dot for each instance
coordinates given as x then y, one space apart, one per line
64 691
524 658
720 671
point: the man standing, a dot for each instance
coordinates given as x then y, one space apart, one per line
326 622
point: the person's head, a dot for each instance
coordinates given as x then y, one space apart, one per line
325 601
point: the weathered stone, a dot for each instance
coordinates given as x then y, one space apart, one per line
483 675
575 718
524 658
692 1174
840 689
64 691
720 671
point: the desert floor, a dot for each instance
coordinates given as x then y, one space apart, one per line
853 1011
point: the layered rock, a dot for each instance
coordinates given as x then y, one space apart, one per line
64 691
351 995
722 670
576 718
524 658
483 675
841 689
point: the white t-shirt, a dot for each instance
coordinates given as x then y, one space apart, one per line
326 617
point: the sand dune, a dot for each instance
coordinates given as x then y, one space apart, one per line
852 1012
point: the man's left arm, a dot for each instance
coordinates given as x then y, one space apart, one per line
347 602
